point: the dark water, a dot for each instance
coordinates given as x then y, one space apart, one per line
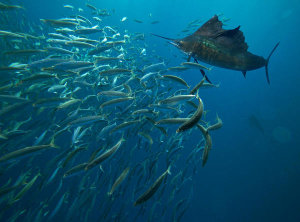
251 175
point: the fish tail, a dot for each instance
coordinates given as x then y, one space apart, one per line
19 83
169 170
267 62
197 94
52 143
122 138
23 181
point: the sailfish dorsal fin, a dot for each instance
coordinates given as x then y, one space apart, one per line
210 28
232 39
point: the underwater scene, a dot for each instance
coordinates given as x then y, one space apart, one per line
163 110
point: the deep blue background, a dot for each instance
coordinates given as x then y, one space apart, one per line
249 176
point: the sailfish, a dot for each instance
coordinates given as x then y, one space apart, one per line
216 46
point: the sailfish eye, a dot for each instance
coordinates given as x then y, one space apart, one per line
179 44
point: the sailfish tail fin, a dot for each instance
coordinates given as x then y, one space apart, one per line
267 62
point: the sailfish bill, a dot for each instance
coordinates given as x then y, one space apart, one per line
216 46
162 37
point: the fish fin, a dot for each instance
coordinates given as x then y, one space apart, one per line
23 182
19 83
233 39
100 167
244 73
229 33
109 194
210 28
52 143
205 76
267 62
169 170
197 94
203 73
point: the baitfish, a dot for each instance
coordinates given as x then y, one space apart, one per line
24 151
152 190
4 7
194 119
86 120
104 156
118 181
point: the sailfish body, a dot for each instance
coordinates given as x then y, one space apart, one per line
223 48
212 52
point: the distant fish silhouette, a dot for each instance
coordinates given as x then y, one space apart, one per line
219 47
254 122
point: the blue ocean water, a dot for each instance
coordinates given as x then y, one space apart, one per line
249 176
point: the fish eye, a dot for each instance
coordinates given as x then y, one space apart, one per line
178 43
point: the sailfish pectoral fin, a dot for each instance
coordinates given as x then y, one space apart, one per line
244 73
205 76
203 73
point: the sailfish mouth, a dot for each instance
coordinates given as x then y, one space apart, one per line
174 43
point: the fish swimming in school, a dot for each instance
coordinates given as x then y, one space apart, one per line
216 46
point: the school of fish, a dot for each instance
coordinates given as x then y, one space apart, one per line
94 125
